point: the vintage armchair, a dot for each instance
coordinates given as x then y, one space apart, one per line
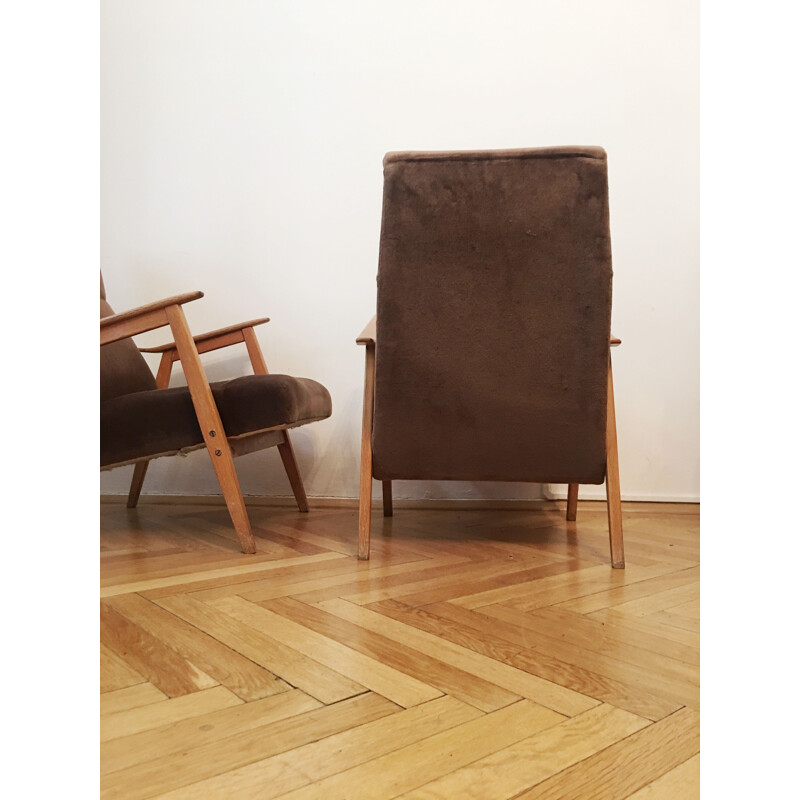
488 359
142 419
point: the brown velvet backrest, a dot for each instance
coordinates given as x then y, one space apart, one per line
494 312
123 369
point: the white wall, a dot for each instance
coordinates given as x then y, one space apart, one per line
241 155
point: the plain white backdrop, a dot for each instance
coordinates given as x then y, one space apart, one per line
241 148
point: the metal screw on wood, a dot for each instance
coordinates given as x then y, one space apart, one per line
218 452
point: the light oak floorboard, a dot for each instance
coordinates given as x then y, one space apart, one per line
479 653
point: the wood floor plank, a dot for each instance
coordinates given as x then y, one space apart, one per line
191 577
243 677
140 694
184 767
347 581
363 670
450 590
649 625
565 586
515 680
556 637
272 777
200 730
115 672
168 712
459 578
486 653
283 573
449 679
419 763
150 657
292 666
627 766
682 782
617 596
503 642
607 636
660 601
516 768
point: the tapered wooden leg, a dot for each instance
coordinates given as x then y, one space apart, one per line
365 493
387 498
290 465
613 500
140 470
572 502
211 426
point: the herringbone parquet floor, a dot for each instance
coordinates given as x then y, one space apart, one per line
478 654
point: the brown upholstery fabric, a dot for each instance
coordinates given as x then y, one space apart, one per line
494 310
161 422
122 367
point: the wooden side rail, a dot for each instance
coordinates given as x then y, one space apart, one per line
213 340
141 319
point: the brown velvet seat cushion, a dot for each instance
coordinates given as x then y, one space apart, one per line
494 309
163 421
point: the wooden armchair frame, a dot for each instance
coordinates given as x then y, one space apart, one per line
187 349
368 338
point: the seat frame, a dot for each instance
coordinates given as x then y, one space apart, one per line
187 349
368 339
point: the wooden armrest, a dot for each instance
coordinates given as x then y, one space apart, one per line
369 334
614 342
141 319
213 339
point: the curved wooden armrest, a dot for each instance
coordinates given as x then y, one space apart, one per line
222 337
369 334
141 319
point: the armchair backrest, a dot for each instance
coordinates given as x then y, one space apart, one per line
123 369
494 312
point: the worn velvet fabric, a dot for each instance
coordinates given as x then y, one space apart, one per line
162 422
494 310
122 367
138 420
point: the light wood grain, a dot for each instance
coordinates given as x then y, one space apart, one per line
421 668
439 754
136 696
168 712
381 679
239 674
295 668
272 777
514 769
513 680
150 657
626 766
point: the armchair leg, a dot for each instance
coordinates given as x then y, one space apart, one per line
613 500
365 494
290 465
211 426
222 460
387 498
139 471
572 502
